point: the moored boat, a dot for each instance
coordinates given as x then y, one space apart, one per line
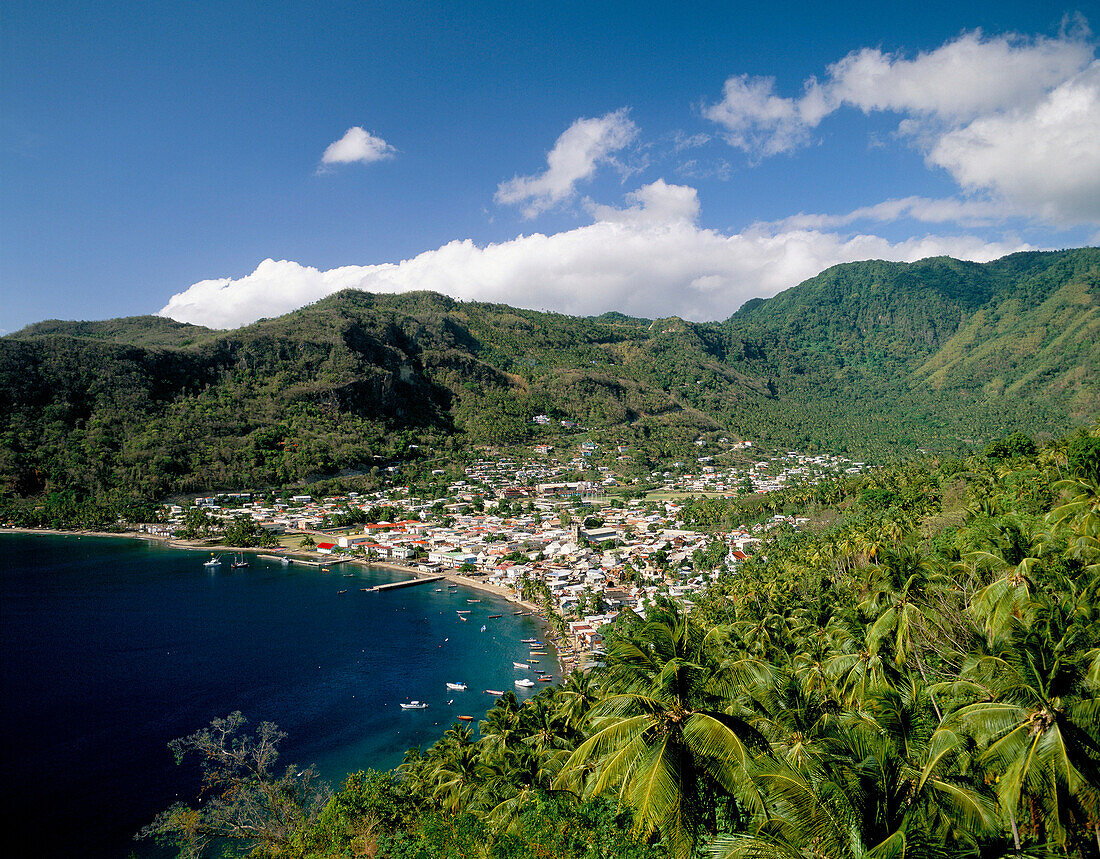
466 718
495 615
215 561
497 692
457 687
414 705
520 665
525 682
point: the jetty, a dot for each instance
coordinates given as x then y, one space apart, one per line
408 583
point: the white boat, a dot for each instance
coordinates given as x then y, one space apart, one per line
457 687
463 619
520 665
525 682
483 627
414 705
496 692
240 562
215 561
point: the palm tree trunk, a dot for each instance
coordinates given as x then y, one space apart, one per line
931 694
1015 830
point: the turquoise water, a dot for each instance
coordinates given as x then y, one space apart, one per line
113 647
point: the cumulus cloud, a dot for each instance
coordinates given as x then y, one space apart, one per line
357 144
580 149
649 258
1008 116
1045 157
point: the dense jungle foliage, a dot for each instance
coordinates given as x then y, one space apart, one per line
918 678
872 359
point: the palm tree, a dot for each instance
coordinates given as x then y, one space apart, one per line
857 790
900 587
1035 715
577 695
663 732
1008 557
454 773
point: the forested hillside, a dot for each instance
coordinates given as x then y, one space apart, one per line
875 359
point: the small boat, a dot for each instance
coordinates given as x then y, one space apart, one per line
463 619
473 600
525 682
414 705
483 627
520 665
324 569
439 590
497 692
215 561
546 679
533 661
457 687
463 611
240 562
517 613
340 592
495 615
466 718
528 640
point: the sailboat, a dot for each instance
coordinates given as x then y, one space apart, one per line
240 562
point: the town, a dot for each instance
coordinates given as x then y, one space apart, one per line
582 550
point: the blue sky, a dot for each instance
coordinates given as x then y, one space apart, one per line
654 158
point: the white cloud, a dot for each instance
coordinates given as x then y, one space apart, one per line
759 121
649 259
1045 158
357 144
974 213
657 203
580 149
1012 117
963 79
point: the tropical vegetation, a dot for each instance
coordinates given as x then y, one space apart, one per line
872 359
918 676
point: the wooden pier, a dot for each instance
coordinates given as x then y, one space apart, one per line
408 583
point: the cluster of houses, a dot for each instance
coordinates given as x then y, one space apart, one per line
521 526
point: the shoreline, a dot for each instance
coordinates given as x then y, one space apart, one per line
316 558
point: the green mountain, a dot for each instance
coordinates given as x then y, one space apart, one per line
873 358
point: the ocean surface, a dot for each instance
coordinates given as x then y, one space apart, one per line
112 647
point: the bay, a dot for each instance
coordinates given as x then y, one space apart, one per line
112 647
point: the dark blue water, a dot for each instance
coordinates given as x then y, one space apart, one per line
113 647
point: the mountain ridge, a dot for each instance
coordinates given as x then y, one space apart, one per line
874 358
